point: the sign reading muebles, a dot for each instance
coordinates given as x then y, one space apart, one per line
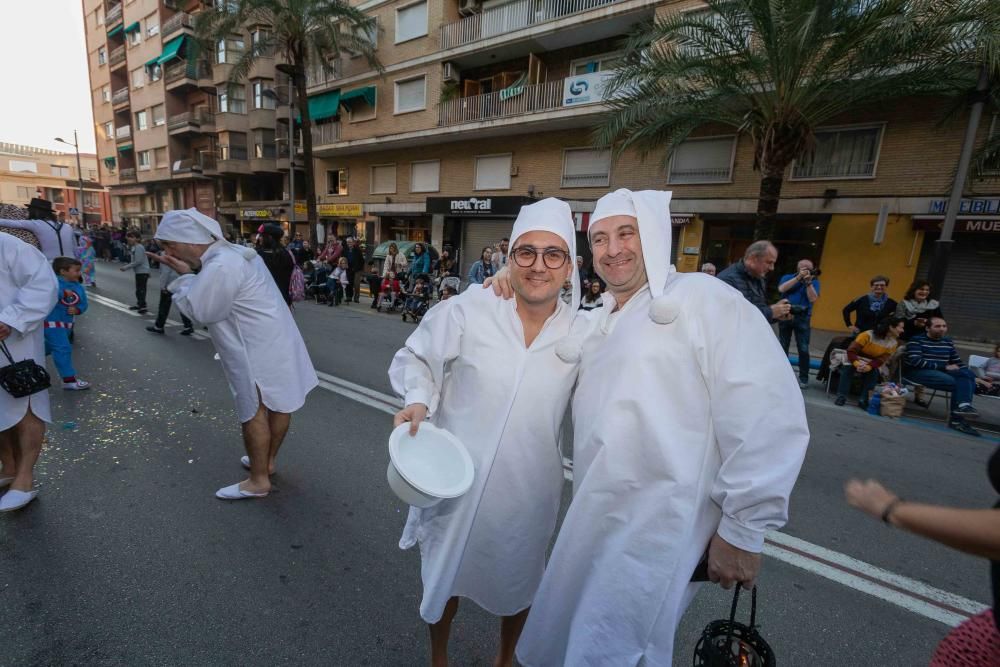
477 206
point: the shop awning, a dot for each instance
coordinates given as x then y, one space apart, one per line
325 105
133 27
117 29
171 49
124 147
366 94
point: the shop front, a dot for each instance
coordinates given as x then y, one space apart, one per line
341 220
473 223
403 226
250 219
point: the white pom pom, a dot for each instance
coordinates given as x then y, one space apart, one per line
664 310
569 349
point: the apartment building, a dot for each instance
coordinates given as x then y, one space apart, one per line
487 104
27 172
171 132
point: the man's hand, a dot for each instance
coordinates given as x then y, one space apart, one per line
4 331
781 310
178 265
805 275
728 565
414 414
868 496
501 284
123 268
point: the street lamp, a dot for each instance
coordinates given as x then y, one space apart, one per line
79 176
271 94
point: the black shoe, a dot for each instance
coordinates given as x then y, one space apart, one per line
840 400
133 307
142 311
966 411
155 329
962 426
187 332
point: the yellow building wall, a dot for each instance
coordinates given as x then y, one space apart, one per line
850 260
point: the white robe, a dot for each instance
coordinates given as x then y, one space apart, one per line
48 238
28 292
678 427
252 329
468 363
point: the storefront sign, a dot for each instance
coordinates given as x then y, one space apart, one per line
477 206
126 192
969 206
962 225
585 88
330 210
256 213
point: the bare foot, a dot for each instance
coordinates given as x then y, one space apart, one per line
249 486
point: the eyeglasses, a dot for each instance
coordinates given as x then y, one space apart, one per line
524 256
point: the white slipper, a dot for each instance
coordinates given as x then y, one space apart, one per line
234 492
245 462
15 500
5 481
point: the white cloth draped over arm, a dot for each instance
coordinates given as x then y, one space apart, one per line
207 297
37 288
418 369
759 420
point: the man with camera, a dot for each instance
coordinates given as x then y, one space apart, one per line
800 289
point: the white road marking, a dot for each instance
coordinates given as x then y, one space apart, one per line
910 594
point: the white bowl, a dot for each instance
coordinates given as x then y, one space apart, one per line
428 467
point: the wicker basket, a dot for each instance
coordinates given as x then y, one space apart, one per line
892 406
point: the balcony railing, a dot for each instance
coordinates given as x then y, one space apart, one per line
120 96
511 16
317 76
325 133
501 104
175 23
208 161
227 152
127 174
114 15
182 69
117 56
585 180
197 118
123 132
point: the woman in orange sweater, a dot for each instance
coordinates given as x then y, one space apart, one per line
869 351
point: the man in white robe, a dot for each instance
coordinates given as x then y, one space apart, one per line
487 371
689 433
262 352
28 292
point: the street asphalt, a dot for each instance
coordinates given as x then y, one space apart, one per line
127 558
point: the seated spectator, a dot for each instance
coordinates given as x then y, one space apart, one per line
336 284
870 308
992 368
917 307
932 360
592 297
447 292
867 354
390 289
708 268
418 298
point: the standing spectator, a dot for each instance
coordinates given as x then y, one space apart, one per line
355 268
869 352
394 261
140 264
592 297
870 308
58 325
444 268
747 276
296 246
102 243
374 283
331 251
801 289
280 261
483 268
917 307
28 290
167 276
306 254
708 268
499 258
421 264
932 360
87 256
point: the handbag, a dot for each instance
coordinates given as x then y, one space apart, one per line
23 378
297 283
733 644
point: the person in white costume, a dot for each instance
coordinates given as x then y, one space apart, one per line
487 371
262 352
57 239
28 291
689 433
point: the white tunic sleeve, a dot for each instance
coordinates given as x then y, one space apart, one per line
759 419
207 297
418 369
37 288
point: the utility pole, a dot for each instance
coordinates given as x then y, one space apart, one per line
79 173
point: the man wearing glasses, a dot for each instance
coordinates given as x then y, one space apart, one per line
489 545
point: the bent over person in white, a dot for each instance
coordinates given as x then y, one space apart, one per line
487 371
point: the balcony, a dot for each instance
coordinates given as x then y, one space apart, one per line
510 17
127 174
500 104
122 133
261 119
233 160
176 22
189 167
208 162
191 121
325 133
181 74
318 77
264 159
114 15
120 97
117 56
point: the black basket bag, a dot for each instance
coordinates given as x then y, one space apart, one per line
733 644
23 378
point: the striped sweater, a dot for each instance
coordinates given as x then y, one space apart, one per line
925 352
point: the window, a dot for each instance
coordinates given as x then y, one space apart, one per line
411 95
425 176
91 174
260 100
143 160
25 192
849 152
154 72
54 195
160 156
228 51
411 22
383 179
152 25
138 77
141 120
158 115
109 130
59 170
135 37
586 168
691 44
99 16
91 200
601 63
232 99
263 144
102 56
105 93
369 34
492 172
336 182
258 41
707 160
23 165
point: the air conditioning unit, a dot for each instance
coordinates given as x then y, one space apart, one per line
470 7
450 73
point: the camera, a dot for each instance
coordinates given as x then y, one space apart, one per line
798 310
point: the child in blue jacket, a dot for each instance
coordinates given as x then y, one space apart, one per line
72 302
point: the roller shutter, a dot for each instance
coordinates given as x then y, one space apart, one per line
969 300
477 234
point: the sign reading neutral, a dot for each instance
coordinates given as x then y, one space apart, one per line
477 206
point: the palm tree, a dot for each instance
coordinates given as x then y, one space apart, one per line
775 70
308 35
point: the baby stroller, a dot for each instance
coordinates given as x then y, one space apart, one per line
389 296
418 300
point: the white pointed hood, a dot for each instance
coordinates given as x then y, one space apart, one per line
555 216
193 226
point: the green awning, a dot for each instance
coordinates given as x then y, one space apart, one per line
153 61
171 49
124 147
323 106
117 29
133 27
367 94
109 162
